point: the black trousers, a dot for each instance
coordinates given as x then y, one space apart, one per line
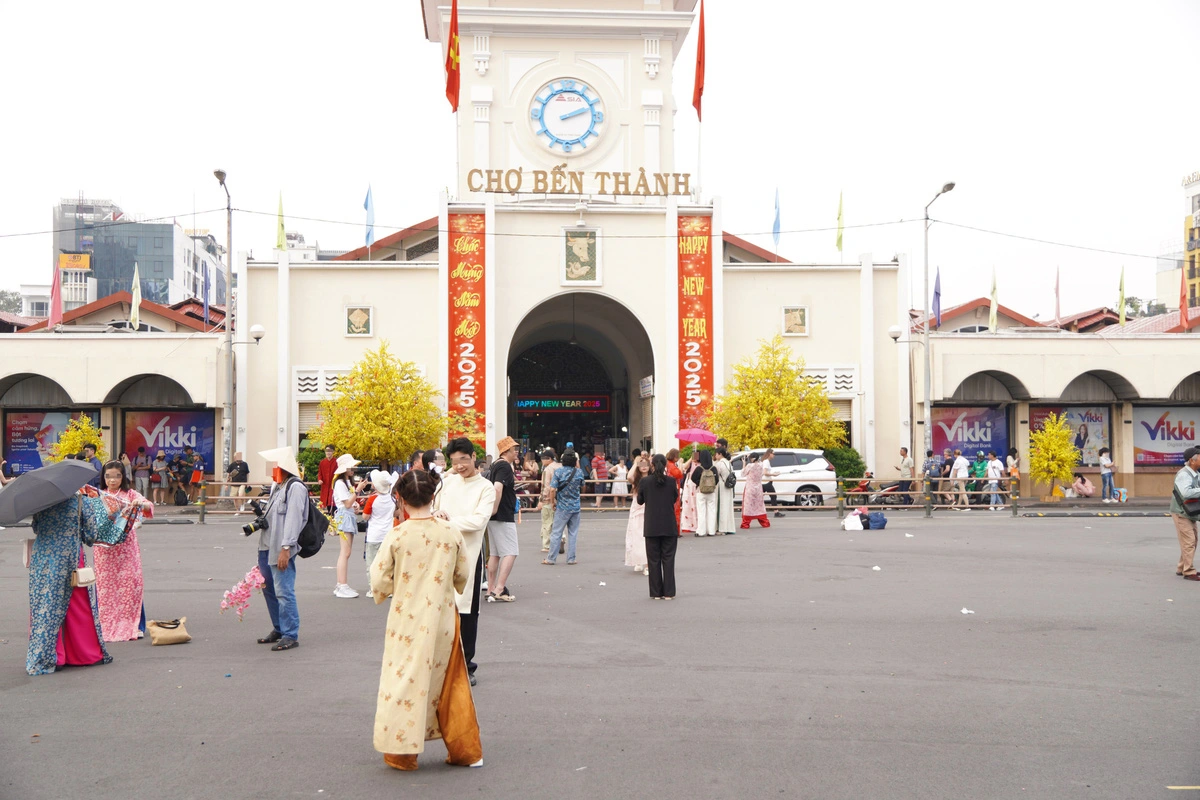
769 491
906 493
660 553
468 624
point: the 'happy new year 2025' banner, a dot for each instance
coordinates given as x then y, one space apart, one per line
468 302
695 317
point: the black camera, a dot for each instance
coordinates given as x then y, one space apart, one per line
260 520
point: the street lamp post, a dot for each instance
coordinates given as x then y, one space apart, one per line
925 336
227 412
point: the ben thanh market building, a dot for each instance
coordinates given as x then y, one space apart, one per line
576 285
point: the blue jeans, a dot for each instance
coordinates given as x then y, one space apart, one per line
1106 486
280 593
570 521
994 488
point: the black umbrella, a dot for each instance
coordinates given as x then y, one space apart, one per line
43 487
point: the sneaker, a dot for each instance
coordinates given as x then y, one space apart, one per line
780 514
345 592
370 593
477 764
472 679
504 596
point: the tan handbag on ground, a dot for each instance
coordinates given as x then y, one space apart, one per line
167 631
84 576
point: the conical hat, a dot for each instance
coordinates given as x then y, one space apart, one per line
284 457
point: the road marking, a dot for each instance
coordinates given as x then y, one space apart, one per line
1185 788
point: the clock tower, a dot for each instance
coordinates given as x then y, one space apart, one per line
583 85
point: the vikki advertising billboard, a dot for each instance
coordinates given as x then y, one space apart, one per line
1162 433
171 431
970 429
29 435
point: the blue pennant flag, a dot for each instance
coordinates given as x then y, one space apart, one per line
369 205
937 298
775 227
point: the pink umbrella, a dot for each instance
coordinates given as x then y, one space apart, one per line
696 436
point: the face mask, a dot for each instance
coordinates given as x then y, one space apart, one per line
277 475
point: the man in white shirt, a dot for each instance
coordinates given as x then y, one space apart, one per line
995 471
958 475
906 475
465 500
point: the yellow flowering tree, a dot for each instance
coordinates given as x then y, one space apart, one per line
79 432
1052 452
383 409
770 403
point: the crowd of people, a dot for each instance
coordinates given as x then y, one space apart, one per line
441 539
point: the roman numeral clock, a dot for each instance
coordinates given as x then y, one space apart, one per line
568 113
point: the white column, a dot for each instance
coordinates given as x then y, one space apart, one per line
441 373
666 362
241 370
866 349
904 365
652 102
717 328
481 103
283 377
497 395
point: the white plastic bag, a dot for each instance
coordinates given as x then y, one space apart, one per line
852 523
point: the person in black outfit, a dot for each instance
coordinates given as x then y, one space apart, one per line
658 495
238 471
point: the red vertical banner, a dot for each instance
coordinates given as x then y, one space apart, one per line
695 318
467 302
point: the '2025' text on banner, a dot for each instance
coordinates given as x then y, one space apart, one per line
695 317
467 298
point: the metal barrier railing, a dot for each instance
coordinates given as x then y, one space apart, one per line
840 500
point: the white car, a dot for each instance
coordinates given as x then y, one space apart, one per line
800 477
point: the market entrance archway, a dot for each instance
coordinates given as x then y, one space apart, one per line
575 366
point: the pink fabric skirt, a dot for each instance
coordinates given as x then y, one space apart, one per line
119 588
77 642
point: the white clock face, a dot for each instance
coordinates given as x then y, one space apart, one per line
567 114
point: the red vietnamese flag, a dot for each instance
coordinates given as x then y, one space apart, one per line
1183 299
698 87
55 316
452 59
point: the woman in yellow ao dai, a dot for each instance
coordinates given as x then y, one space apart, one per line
417 571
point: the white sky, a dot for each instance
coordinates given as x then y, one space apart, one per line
1070 121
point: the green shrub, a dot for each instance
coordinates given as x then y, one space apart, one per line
686 453
846 462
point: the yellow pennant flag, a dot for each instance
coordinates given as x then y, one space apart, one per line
840 223
280 238
135 317
992 310
1121 301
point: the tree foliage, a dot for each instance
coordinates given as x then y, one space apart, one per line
10 301
1052 452
79 432
846 462
770 403
383 409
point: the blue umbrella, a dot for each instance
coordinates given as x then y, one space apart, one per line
42 488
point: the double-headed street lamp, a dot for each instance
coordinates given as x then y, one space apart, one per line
227 414
928 383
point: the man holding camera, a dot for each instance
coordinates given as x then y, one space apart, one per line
279 529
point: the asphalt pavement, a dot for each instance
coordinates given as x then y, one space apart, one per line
787 667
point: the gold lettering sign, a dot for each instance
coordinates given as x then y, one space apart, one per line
560 180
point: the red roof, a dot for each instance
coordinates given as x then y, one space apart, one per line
195 308
971 305
116 300
1092 318
1161 323
17 320
753 249
391 240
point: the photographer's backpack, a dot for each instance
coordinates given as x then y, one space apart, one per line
181 497
708 481
316 524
